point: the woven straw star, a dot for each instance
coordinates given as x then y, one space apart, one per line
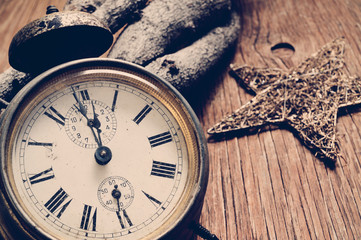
306 98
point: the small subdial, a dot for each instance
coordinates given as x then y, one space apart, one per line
115 193
99 120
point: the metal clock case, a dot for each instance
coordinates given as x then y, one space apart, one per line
100 149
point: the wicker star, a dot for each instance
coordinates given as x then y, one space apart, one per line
306 98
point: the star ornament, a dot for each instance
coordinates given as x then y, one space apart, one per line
306 98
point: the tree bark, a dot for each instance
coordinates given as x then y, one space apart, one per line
117 13
11 81
165 26
114 13
83 5
185 68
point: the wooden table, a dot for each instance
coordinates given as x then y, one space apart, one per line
268 185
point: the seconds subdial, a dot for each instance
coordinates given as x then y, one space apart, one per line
115 193
92 117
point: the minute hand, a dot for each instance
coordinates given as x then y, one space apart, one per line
95 123
81 107
90 124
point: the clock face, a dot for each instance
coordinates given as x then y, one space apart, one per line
101 154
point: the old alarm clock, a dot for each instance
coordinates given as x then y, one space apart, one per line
99 149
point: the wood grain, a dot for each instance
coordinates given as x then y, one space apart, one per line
268 185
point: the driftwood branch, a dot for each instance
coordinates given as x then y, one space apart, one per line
114 13
11 81
83 5
166 24
160 38
180 41
117 13
185 68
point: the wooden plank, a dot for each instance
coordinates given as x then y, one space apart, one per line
290 194
267 185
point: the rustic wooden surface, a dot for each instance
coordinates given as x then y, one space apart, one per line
268 185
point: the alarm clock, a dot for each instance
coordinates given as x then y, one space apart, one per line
96 148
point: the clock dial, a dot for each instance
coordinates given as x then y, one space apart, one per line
115 193
102 155
98 115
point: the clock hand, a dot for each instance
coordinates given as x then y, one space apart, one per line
81 107
97 138
90 122
117 194
96 124
102 154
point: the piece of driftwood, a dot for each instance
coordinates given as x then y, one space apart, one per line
83 5
178 22
115 13
11 81
186 67
165 25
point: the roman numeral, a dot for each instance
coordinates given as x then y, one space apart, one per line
153 200
160 139
84 95
56 203
53 114
42 176
114 100
43 144
124 219
143 113
89 218
162 169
